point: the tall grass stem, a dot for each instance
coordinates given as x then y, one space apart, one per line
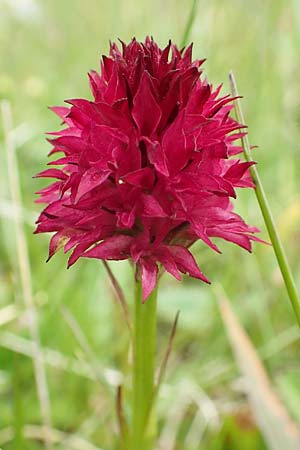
189 24
266 211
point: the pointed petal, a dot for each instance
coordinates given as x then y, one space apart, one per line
174 145
52 173
89 180
186 262
151 207
143 178
114 248
149 276
241 239
165 257
58 241
60 111
78 252
200 231
156 156
146 111
239 175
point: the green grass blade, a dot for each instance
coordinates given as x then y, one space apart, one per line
267 213
189 23
18 404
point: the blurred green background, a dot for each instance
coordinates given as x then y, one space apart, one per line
46 50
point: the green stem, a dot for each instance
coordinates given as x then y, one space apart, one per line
143 428
267 213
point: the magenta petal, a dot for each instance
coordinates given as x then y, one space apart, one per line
243 240
143 178
165 257
149 276
58 241
114 248
239 175
89 180
60 111
112 117
72 159
78 252
96 84
151 207
86 107
69 144
186 262
174 144
146 111
52 173
201 232
157 157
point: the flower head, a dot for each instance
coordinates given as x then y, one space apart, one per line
149 166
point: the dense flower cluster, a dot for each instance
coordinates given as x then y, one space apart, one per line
147 167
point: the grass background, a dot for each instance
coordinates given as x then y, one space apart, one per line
46 49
